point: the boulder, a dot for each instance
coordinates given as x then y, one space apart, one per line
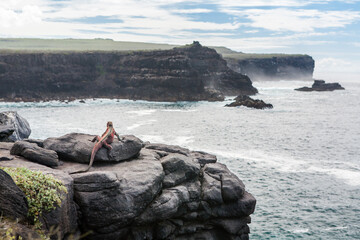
5 132
243 100
77 147
178 168
12 120
320 86
33 152
13 201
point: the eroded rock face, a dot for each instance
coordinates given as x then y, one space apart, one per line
13 127
189 73
77 147
165 192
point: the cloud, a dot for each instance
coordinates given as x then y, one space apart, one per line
192 11
28 15
296 20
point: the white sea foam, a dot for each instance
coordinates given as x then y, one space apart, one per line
301 230
183 140
152 138
142 123
350 177
142 112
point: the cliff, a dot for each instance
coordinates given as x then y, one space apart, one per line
189 73
156 192
272 66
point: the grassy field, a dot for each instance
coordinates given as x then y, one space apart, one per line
86 45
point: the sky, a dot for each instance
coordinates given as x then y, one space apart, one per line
328 30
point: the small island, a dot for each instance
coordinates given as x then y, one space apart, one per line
244 100
320 86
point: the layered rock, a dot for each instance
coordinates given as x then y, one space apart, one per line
13 127
321 86
243 100
162 192
267 67
187 73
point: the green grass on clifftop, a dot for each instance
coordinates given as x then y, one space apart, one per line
21 45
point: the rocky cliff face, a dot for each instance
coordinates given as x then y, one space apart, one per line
274 68
187 73
164 192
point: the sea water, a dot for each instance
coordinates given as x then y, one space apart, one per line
301 159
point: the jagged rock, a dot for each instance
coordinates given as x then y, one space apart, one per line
110 197
77 147
243 100
12 120
320 86
13 201
203 157
162 193
178 168
33 152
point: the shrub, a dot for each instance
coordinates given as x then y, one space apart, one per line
43 192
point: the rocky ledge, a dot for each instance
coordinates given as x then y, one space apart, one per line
188 73
320 86
136 191
243 100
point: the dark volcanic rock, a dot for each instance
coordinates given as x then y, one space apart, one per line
77 147
243 100
12 200
273 68
13 121
34 153
320 85
65 216
5 132
189 73
166 192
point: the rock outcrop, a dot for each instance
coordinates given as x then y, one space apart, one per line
77 147
13 127
243 100
188 73
279 67
13 202
164 192
320 86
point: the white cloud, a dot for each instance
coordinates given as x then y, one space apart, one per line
299 20
28 15
195 10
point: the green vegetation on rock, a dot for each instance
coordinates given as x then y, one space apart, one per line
43 192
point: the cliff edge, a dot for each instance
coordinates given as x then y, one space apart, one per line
188 73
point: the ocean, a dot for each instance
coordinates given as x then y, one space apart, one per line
301 159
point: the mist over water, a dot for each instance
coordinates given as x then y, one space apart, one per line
301 159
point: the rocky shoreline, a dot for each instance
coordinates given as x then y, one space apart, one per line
138 190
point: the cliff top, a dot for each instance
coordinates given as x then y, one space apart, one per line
30 45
